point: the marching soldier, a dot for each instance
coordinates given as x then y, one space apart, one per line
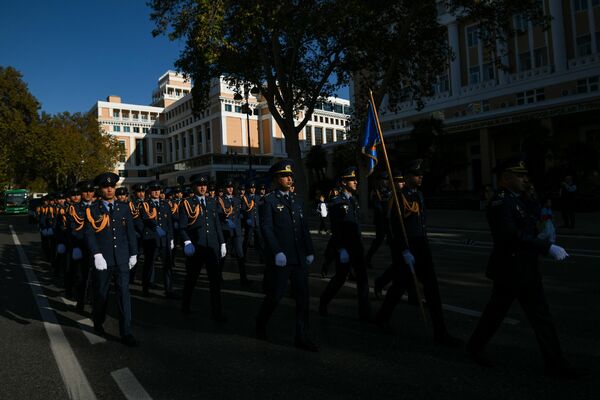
158 239
110 236
204 244
122 194
288 253
174 205
59 263
514 269
230 211
46 225
212 190
139 194
71 269
414 255
262 191
381 199
251 220
80 254
347 244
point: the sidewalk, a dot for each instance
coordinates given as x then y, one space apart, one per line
586 224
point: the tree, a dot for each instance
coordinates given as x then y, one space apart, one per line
18 120
316 161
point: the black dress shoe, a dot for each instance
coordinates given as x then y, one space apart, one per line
567 372
302 342
99 329
448 340
129 340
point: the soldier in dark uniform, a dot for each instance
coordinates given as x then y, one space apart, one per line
80 254
414 255
514 269
288 253
59 263
212 190
380 198
347 243
71 270
204 244
230 212
122 194
110 236
174 203
158 239
139 194
252 222
262 191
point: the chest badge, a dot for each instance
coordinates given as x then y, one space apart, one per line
280 207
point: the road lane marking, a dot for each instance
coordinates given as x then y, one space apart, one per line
86 326
129 385
76 383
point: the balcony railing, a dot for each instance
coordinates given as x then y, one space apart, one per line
584 61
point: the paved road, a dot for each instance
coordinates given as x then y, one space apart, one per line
190 357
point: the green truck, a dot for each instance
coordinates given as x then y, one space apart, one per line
14 201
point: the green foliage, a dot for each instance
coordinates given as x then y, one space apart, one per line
49 151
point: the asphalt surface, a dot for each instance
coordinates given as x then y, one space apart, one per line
192 357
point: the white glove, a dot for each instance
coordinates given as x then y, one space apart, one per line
44 232
60 248
132 261
100 262
160 232
344 256
188 248
557 252
172 244
280 260
223 250
76 253
409 259
309 259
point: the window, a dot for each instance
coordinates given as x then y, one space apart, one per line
521 24
541 57
488 72
320 119
584 45
228 107
318 136
162 131
145 130
580 5
116 114
191 140
255 111
316 118
588 85
531 96
326 120
126 129
595 3
144 117
442 85
159 147
474 75
116 128
238 109
525 61
472 36
142 173
122 151
154 131
159 159
329 135
123 173
308 135
338 108
340 135
136 129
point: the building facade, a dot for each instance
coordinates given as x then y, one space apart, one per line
166 140
551 84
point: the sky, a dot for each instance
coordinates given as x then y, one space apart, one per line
73 53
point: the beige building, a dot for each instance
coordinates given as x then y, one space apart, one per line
552 79
166 140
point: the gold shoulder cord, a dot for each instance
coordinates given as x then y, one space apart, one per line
248 206
103 221
192 214
151 215
410 207
135 212
227 211
174 208
78 220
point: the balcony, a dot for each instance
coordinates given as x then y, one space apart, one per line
584 61
532 73
227 160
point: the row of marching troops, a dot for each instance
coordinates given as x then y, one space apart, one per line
104 236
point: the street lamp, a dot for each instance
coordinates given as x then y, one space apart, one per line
246 108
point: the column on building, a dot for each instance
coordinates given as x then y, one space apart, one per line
150 155
180 151
592 25
486 146
557 28
453 40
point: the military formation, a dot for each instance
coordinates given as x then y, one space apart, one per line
96 233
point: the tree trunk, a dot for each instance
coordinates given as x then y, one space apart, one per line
292 147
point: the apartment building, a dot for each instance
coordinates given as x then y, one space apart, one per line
552 79
166 140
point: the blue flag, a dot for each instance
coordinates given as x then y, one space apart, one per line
370 139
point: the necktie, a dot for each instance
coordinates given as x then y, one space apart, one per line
202 202
110 208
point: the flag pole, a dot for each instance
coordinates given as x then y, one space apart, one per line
397 203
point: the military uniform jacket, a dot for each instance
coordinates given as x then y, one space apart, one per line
134 208
174 205
76 221
285 228
230 213
345 221
412 207
381 201
201 225
516 248
250 210
112 236
47 217
61 228
153 216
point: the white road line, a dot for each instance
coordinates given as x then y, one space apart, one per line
76 383
86 326
129 385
